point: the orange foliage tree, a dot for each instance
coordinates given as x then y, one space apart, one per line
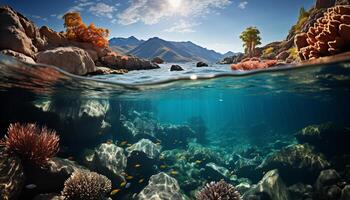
77 30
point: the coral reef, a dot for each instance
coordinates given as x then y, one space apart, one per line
218 190
253 63
329 35
84 185
31 142
77 30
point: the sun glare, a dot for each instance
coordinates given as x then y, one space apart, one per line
175 3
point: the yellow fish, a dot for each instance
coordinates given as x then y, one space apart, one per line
141 180
137 166
115 191
198 162
173 172
123 184
123 143
163 166
129 177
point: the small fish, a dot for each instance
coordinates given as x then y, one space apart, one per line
137 166
141 180
123 143
127 185
30 186
129 177
115 191
163 166
198 162
174 172
123 184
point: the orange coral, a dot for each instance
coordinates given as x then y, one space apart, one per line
77 30
253 63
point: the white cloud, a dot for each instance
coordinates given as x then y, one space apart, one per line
152 11
242 5
102 10
182 27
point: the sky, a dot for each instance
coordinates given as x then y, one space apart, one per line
214 24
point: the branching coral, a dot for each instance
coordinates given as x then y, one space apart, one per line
31 142
329 35
85 185
77 30
218 190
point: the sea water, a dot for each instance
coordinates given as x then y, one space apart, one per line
228 112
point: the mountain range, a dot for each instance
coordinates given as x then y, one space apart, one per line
169 51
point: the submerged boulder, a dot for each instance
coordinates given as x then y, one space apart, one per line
146 146
176 68
11 176
296 163
326 185
270 187
202 64
174 136
71 59
161 186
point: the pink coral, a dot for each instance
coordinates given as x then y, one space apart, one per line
253 63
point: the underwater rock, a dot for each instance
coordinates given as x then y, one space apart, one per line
176 68
214 172
174 136
270 187
142 124
147 146
19 56
243 187
247 168
324 136
110 159
197 153
11 175
49 179
300 191
17 33
161 186
326 185
71 59
296 163
329 35
345 194
202 64
157 60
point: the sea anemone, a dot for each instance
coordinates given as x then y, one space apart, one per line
85 185
218 191
31 143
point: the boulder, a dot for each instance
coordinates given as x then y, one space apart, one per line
213 172
247 168
161 186
11 176
202 64
324 136
176 68
53 39
130 63
326 185
345 194
17 33
233 59
110 160
71 59
146 146
300 160
19 56
282 56
270 187
157 60
300 191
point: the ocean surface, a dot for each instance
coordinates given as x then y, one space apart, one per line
228 111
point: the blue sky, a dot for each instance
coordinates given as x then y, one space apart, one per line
214 24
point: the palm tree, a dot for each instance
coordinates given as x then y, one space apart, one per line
251 39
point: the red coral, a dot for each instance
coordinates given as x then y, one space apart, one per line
31 142
77 30
253 63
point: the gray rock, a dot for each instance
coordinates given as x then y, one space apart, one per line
147 146
71 59
11 176
300 191
19 56
110 159
345 194
202 64
161 187
176 68
214 172
326 178
270 187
